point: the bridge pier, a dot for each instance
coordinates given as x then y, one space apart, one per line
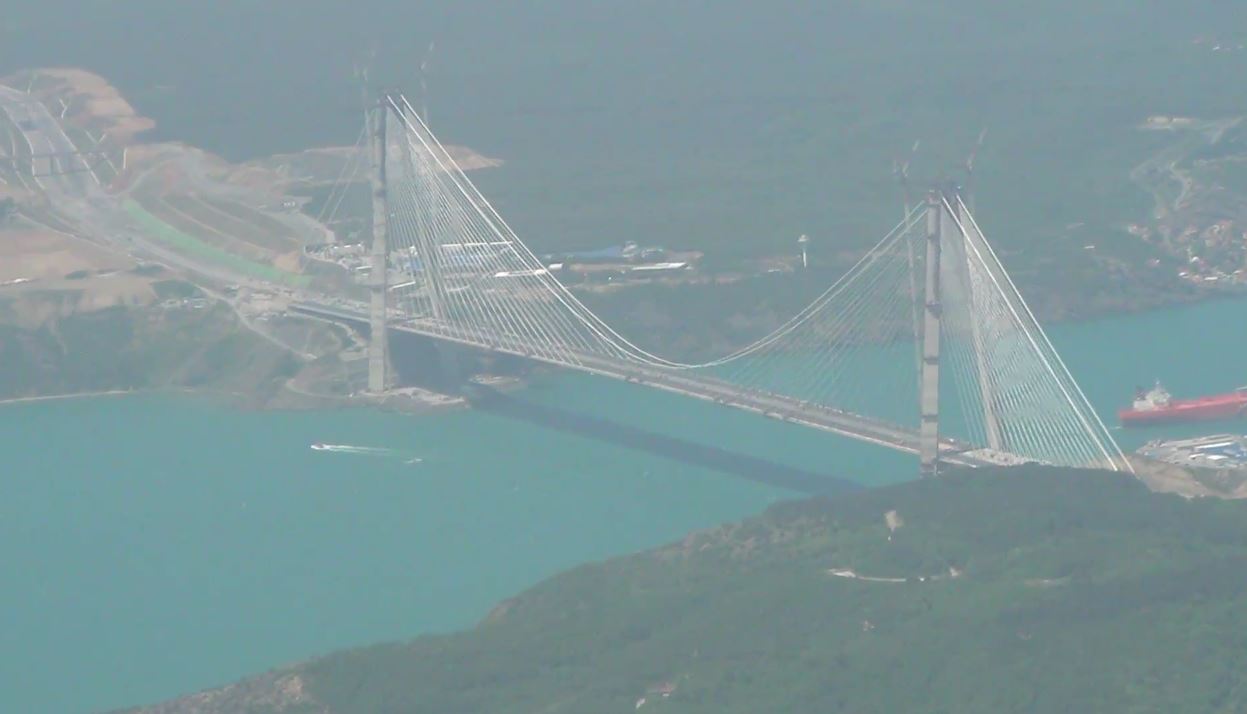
452 369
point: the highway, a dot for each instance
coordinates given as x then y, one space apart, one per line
57 167
75 193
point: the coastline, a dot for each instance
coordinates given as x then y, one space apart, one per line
68 395
398 402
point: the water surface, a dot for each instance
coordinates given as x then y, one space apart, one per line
158 545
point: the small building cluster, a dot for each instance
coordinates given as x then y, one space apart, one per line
629 261
623 262
1214 254
351 256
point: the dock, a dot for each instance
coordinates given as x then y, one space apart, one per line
1218 451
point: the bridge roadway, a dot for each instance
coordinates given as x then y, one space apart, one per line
699 386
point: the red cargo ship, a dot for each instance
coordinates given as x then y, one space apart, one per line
1156 407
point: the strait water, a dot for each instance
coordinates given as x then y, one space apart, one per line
153 545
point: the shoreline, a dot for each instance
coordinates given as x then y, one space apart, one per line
299 400
66 396
397 402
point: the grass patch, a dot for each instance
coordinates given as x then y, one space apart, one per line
191 245
166 289
147 269
252 217
209 214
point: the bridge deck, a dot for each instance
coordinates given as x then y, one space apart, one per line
698 386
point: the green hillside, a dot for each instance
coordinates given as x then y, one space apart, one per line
1027 590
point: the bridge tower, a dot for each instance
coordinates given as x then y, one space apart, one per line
929 387
378 341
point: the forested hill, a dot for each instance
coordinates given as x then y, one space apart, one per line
1026 590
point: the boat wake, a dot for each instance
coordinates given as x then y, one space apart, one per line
349 449
366 451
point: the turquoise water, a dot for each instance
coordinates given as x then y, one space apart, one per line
157 545
154 546
1193 350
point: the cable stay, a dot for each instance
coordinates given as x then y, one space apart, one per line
853 349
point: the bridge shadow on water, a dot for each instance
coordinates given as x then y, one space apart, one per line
670 447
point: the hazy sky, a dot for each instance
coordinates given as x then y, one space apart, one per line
692 118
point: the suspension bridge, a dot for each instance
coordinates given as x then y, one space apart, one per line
929 313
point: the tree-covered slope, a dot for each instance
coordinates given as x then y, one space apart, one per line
1030 589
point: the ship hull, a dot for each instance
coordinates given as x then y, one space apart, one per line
1225 406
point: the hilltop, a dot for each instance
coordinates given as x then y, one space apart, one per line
1027 589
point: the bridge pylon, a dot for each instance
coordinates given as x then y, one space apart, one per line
929 386
378 339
